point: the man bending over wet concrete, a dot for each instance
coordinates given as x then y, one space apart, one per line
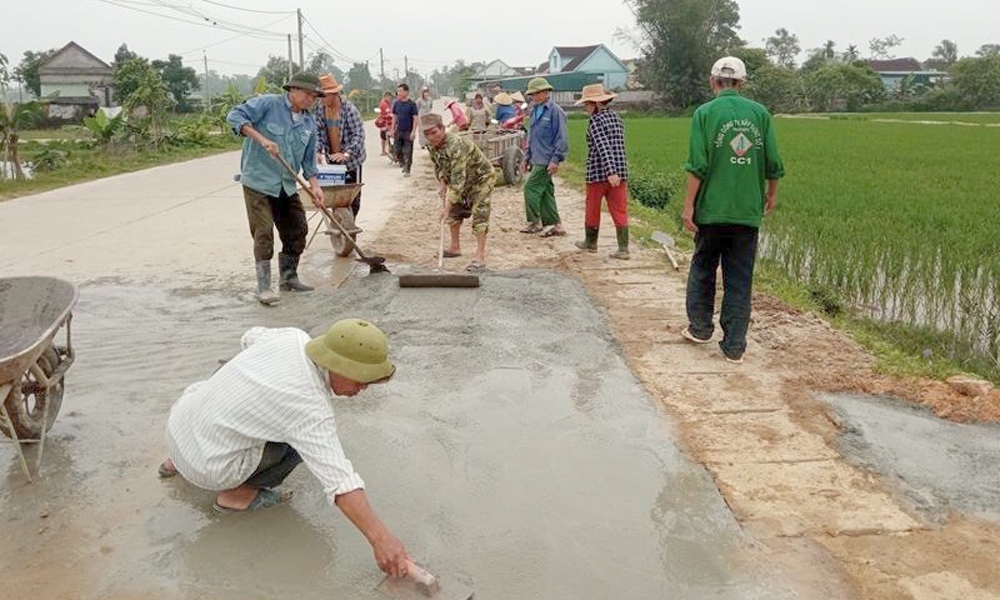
245 429
466 181
278 124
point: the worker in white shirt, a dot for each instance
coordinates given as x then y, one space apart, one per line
242 431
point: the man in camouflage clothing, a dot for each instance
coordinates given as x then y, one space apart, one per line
467 179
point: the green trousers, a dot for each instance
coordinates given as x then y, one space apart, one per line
540 197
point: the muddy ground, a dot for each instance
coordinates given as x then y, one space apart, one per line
654 467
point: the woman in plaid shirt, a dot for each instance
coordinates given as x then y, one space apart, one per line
607 169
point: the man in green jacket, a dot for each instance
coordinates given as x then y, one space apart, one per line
733 171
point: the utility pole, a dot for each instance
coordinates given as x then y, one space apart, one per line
406 66
289 57
302 57
381 62
208 93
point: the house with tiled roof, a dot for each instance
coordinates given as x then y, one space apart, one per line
894 71
75 82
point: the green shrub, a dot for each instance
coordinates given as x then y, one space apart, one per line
651 187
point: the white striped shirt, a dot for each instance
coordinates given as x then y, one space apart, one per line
270 392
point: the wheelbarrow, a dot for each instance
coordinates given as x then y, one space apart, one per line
338 199
32 366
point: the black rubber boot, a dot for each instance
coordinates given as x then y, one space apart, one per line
622 253
590 239
288 265
265 293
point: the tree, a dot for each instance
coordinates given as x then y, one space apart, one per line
275 72
15 116
946 52
127 76
123 55
180 80
27 70
359 77
836 85
783 48
454 80
881 47
988 50
755 59
322 63
851 55
682 40
776 87
4 73
151 101
978 81
829 50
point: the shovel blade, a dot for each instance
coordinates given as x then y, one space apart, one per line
407 589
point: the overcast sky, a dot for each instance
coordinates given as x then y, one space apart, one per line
439 32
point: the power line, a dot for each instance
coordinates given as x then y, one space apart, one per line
215 21
251 10
329 46
204 22
237 36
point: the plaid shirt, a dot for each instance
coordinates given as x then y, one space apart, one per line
352 133
606 147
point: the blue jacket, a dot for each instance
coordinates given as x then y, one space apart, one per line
548 141
271 115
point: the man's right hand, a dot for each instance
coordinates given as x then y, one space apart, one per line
272 147
391 556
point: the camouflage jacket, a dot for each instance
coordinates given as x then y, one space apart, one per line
462 166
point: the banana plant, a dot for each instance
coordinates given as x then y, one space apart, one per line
15 116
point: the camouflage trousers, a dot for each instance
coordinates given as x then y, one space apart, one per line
475 205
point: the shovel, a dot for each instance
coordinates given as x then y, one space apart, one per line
420 584
666 241
375 263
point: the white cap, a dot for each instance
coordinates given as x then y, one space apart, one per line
730 67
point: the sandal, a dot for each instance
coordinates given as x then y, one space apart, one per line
266 498
450 254
553 232
476 267
532 228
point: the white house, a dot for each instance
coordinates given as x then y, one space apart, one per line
81 82
498 69
594 60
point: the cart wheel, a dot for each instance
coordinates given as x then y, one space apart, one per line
26 402
513 157
345 216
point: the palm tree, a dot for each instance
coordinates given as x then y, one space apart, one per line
829 51
15 116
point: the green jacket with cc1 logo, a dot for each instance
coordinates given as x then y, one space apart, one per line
733 151
271 115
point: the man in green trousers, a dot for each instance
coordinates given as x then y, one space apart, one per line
548 144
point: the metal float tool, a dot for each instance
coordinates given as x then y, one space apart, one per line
439 279
420 584
375 263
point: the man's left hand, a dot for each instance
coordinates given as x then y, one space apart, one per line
615 180
317 197
340 157
772 203
553 168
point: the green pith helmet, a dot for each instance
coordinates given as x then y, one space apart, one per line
538 84
355 349
304 81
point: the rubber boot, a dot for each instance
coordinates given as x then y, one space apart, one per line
622 253
590 240
265 293
288 266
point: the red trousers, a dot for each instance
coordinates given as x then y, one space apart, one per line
617 203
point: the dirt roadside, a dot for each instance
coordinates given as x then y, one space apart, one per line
757 428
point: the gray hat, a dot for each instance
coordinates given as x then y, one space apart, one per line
304 81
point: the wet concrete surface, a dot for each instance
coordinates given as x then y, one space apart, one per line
514 451
936 465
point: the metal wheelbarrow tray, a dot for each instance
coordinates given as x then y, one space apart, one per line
32 367
338 199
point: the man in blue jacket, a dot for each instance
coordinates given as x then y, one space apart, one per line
278 124
548 144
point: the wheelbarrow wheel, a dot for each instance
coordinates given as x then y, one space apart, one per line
26 402
511 162
341 246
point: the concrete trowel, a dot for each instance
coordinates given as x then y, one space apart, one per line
420 584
